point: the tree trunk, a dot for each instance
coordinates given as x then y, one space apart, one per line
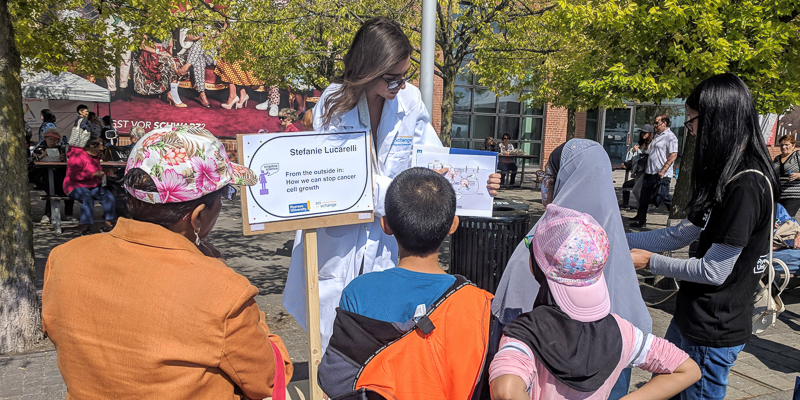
570 124
448 99
20 317
683 188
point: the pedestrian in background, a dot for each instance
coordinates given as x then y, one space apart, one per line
787 164
636 161
663 151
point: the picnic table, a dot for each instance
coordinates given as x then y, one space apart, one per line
55 201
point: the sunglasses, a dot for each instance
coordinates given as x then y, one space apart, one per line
394 84
688 123
283 118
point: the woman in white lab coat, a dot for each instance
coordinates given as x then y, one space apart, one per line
371 94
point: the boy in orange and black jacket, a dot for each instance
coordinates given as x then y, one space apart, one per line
411 331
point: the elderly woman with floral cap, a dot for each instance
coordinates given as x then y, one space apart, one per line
160 315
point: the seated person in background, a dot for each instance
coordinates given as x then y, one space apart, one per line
570 346
136 133
786 234
489 144
95 125
108 126
287 117
506 164
437 324
50 149
84 182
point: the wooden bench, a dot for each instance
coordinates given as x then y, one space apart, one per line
55 205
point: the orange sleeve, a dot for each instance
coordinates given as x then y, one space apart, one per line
247 357
44 288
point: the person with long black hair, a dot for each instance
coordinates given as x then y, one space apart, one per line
48 122
730 212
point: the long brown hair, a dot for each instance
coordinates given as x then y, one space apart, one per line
379 45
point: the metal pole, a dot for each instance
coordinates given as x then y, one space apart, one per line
428 51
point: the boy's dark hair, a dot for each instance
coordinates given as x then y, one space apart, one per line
420 207
82 107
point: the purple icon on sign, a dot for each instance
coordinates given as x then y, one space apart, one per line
262 179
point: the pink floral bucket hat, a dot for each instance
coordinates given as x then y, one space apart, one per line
185 164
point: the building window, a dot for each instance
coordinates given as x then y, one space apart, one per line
479 113
592 122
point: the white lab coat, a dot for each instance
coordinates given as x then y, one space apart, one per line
404 123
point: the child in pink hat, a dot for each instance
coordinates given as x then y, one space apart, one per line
570 346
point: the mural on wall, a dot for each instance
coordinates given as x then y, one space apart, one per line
180 80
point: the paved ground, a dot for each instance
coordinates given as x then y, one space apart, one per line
766 369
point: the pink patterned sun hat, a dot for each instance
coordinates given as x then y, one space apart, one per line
571 249
185 164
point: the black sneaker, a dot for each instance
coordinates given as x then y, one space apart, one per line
638 224
107 229
86 232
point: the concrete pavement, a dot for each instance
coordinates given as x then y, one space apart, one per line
766 369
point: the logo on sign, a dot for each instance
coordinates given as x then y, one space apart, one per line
299 207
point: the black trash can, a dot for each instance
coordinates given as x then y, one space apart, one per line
481 247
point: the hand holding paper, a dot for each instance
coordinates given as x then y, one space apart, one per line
466 170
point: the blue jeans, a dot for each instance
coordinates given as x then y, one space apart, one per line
715 364
87 196
620 388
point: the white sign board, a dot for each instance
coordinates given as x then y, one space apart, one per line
307 174
33 110
468 172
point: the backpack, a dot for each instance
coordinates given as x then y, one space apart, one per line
371 359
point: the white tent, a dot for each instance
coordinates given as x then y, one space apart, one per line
61 94
65 86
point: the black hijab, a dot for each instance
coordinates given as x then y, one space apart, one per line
554 161
581 355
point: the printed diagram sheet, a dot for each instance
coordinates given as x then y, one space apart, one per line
468 172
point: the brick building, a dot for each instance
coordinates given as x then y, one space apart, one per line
479 113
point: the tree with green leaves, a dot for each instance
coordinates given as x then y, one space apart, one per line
648 51
55 36
303 41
